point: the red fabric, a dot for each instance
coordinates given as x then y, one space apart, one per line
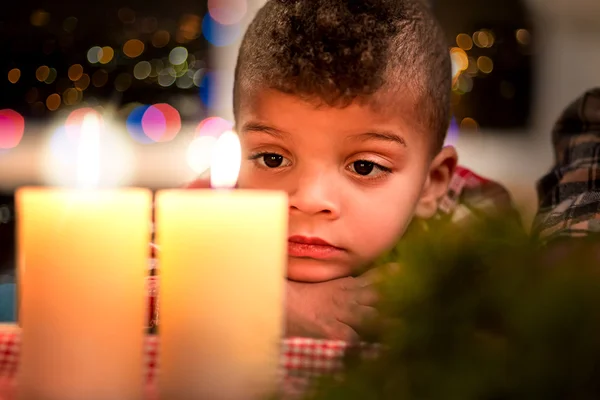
301 359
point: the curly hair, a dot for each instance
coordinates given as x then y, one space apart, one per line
383 52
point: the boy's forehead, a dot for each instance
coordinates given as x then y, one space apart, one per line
380 106
269 105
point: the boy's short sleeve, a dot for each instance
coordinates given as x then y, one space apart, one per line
569 194
471 196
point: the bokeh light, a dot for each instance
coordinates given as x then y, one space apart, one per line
149 25
53 102
142 70
208 88
523 36
126 15
83 82
166 79
156 123
75 72
161 122
94 54
227 12
157 66
100 78
72 96
133 48
189 28
52 74
485 64
219 34
483 39
12 127
61 159
199 153
106 55
123 82
464 41
178 55
472 68
39 18
463 84
460 61
469 124
14 75
213 126
69 24
134 125
198 75
41 74
185 81
75 120
161 38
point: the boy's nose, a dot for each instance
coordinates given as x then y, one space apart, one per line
315 194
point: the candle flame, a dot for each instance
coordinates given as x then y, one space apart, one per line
226 161
88 154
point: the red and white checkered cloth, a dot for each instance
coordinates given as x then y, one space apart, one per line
301 360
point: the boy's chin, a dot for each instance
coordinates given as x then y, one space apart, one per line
311 270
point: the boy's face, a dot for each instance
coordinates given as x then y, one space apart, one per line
355 178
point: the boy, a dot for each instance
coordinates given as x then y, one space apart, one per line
344 105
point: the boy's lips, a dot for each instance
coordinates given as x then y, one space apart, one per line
311 247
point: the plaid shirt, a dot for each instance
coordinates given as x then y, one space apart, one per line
569 195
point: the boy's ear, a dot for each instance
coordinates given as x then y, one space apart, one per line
440 172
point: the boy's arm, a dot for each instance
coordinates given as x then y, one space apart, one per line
337 309
569 195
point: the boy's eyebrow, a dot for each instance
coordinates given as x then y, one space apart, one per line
385 136
258 127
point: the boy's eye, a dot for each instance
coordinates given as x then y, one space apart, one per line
368 168
362 167
270 160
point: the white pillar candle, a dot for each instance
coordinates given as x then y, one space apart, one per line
82 259
222 258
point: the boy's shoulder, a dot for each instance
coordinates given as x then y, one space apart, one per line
471 196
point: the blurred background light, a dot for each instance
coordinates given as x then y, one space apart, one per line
100 78
75 72
14 75
178 55
160 39
213 126
161 122
227 12
142 70
134 125
219 34
199 153
94 54
208 88
12 128
133 48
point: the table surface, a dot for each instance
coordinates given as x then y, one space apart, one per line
301 359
